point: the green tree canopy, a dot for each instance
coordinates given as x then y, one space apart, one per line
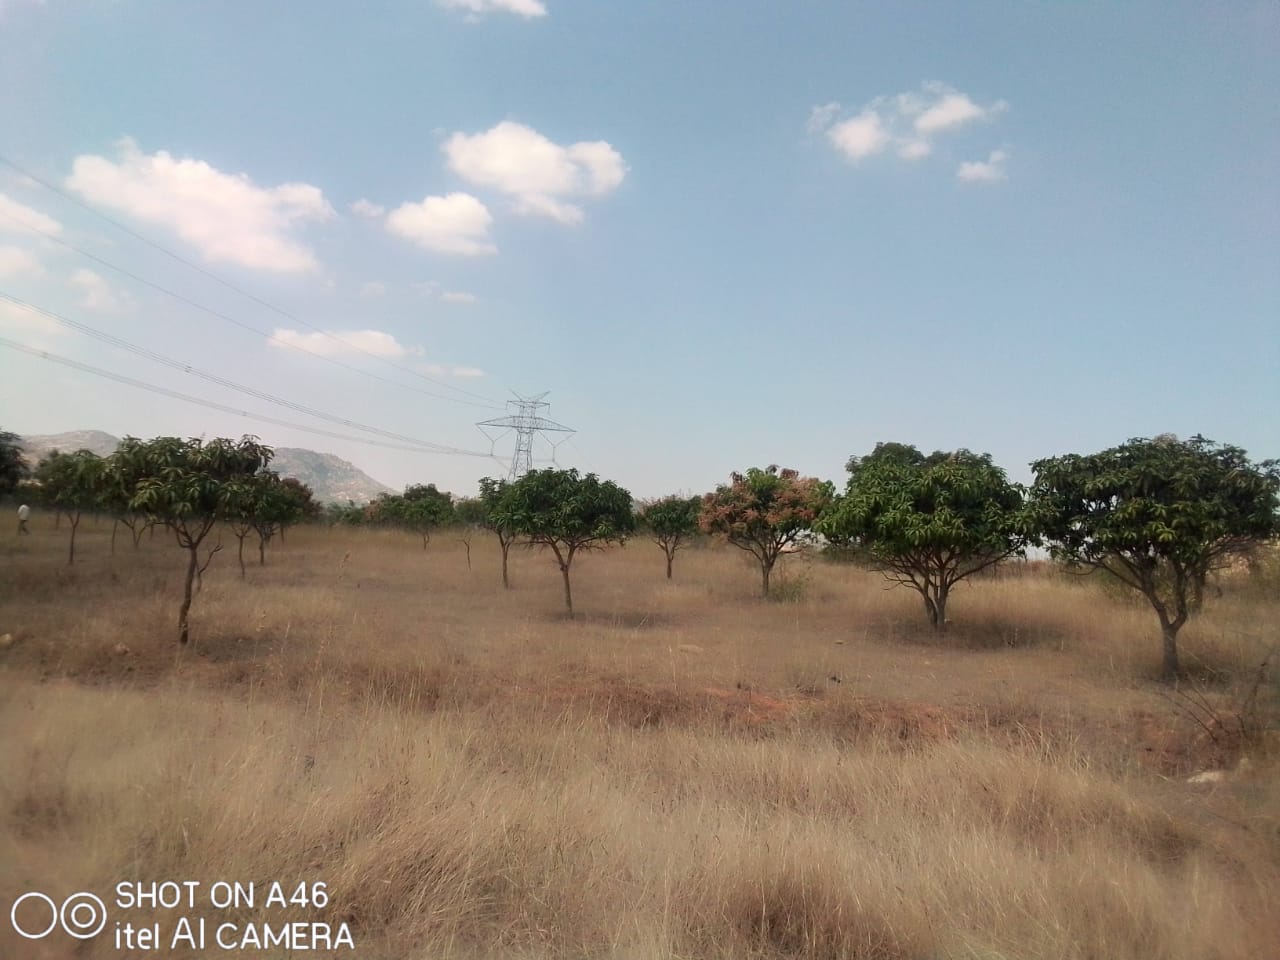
13 466
566 512
267 504
421 508
498 517
191 485
1159 516
670 523
71 484
764 512
928 522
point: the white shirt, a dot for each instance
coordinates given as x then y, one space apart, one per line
23 512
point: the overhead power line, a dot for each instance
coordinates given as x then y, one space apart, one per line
215 378
142 238
213 405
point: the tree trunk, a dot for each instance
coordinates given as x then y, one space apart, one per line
425 538
75 522
670 556
568 593
115 525
262 550
467 545
240 554
766 568
506 548
1172 669
935 604
192 566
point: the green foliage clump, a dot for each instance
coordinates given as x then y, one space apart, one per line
671 523
1159 516
928 522
567 512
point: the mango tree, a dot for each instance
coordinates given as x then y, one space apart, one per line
190 486
469 515
289 501
1158 516
671 522
420 509
929 522
70 484
13 466
764 512
568 513
498 517
124 469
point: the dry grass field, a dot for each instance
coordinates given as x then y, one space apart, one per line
684 771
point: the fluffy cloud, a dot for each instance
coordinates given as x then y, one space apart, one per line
368 209
979 171
859 136
908 122
456 223
952 110
373 288
17 262
225 216
337 342
540 175
523 8
17 217
458 296
436 370
96 294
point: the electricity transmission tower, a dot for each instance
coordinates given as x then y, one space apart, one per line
527 422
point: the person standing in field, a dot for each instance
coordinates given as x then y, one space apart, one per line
23 512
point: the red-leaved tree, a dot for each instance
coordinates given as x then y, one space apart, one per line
764 512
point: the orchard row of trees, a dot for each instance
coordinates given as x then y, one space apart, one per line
1158 515
185 486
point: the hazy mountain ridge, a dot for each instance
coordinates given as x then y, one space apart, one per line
332 479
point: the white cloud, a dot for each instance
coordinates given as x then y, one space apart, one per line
821 117
335 342
537 173
523 8
373 288
859 136
368 209
225 216
96 294
989 171
17 217
456 223
437 370
908 121
952 110
458 296
914 149
17 262
29 324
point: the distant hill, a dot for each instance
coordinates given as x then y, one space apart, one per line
333 480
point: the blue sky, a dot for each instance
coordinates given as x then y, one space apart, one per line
721 235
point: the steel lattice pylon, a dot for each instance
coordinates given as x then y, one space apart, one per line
527 422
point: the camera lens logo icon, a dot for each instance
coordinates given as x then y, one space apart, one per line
82 915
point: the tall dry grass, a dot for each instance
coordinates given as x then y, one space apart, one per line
684 771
